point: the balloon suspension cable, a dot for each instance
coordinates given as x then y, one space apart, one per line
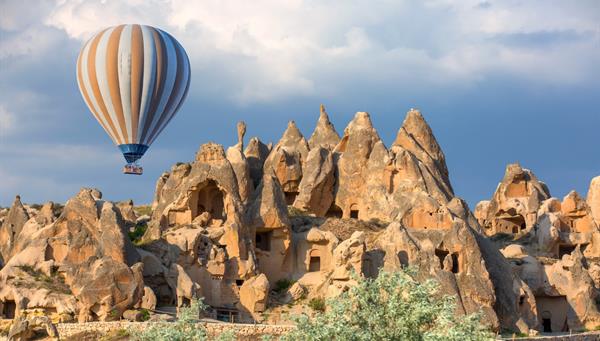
133 168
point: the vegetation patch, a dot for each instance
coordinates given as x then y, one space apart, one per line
282 285
138 232
394 306
55 282
317 304
143 210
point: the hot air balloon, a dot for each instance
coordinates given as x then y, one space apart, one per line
133 79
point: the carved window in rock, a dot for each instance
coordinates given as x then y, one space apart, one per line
290 197
565 249
354 211
314 264
9 308
208 197
403 258
263 240
506 223
227 315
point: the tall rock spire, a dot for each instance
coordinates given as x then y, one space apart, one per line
324 134
416 136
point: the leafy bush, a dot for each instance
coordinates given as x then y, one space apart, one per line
394 306
143 210
186 328
282 285
137 233
145 314
317 304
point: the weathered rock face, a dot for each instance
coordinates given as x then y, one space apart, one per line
10 229
209 185
324 135
256 153
286 159
452 257
80 265
564 290
513 208
233 224
241 167
415 136
593 199
316 190
268 218
254 294
553 246
359 140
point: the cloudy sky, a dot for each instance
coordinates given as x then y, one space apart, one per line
498 81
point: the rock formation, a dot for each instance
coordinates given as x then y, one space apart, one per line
81 266
250 230
552 244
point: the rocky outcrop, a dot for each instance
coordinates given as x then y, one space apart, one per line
324 135
358 143
286 160
513 208
593 199
316 190
80 265
321 214
256 153
11 227
254 294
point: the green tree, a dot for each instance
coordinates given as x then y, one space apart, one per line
394 306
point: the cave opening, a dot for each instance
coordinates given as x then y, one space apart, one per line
263 240
9 308
441 255
208 198
455 264
334 212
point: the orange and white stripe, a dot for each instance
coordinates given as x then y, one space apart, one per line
134 79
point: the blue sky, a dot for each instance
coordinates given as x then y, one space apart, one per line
498 82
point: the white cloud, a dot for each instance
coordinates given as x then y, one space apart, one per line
7 122
266 50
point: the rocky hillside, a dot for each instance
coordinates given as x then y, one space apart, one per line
251 229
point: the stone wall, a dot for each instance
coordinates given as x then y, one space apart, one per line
589 336
243 331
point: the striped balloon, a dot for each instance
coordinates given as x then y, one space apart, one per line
133 78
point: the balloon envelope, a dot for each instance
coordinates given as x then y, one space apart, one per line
133 78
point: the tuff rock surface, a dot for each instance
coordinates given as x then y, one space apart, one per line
253 229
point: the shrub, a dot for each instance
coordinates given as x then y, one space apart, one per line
145 314
186 328
137 233
282 285
317 304
394 306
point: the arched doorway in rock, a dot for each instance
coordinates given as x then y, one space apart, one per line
314 263
547 321
208 197
354 211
